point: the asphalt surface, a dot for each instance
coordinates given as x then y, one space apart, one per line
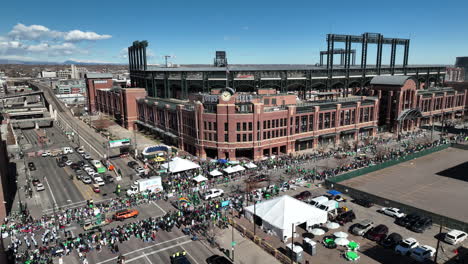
418 183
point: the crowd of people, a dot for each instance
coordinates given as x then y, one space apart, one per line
38 240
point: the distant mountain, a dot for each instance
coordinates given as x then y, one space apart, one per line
8 61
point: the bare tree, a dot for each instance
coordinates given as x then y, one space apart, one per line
381 151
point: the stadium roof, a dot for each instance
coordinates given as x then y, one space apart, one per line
390 80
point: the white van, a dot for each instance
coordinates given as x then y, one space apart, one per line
67 150
317 201
328 206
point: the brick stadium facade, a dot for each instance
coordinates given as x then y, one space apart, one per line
222 111
95 82
120 103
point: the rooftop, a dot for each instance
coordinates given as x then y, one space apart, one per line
98 75
264 67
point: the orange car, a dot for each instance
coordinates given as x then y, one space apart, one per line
124 214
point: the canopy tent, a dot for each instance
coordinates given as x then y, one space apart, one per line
178 164
334 192
250 165
233 162
215 173
238 168
200 178
280 213
229 170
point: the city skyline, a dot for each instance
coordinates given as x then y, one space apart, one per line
250 33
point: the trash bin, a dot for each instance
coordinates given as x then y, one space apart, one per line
296 252
310 246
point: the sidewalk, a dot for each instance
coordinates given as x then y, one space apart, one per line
142 140
245 250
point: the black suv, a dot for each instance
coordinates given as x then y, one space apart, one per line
392 240
132 164
408 220
345 217
217 259
363 202
421 225
31 166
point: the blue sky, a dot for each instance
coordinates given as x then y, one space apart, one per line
250 31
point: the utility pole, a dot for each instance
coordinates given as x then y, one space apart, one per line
233 243
135 139
438 243
255 213
292 244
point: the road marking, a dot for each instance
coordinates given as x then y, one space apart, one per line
145 255
140 249
158 207
194 260
51 193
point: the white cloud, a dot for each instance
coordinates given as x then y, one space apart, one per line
40 41
78 35
32 32
17 57
39 32
123 53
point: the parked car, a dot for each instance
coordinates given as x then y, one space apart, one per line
421 225
363 202
392 240
303 195
98 180
108 178
377 233
40 187
345 217
81 163
46 153
96 188
362 227
132 164
125 213
86 179
212 193
422 253
407 220
69 162
61 164
80 150
31 166
455 236
406 246
35 181
391 211
217 259
140 170
64 158
74 166
86 156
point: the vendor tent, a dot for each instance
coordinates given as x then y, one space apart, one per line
238 168
178 164
200 178
250 165
229 170
279 214
215 173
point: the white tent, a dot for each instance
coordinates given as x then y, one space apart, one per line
279 214
238 168
200 178
215 173
178 164
229 170
250 165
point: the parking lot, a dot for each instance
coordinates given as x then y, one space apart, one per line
423 183
370 251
